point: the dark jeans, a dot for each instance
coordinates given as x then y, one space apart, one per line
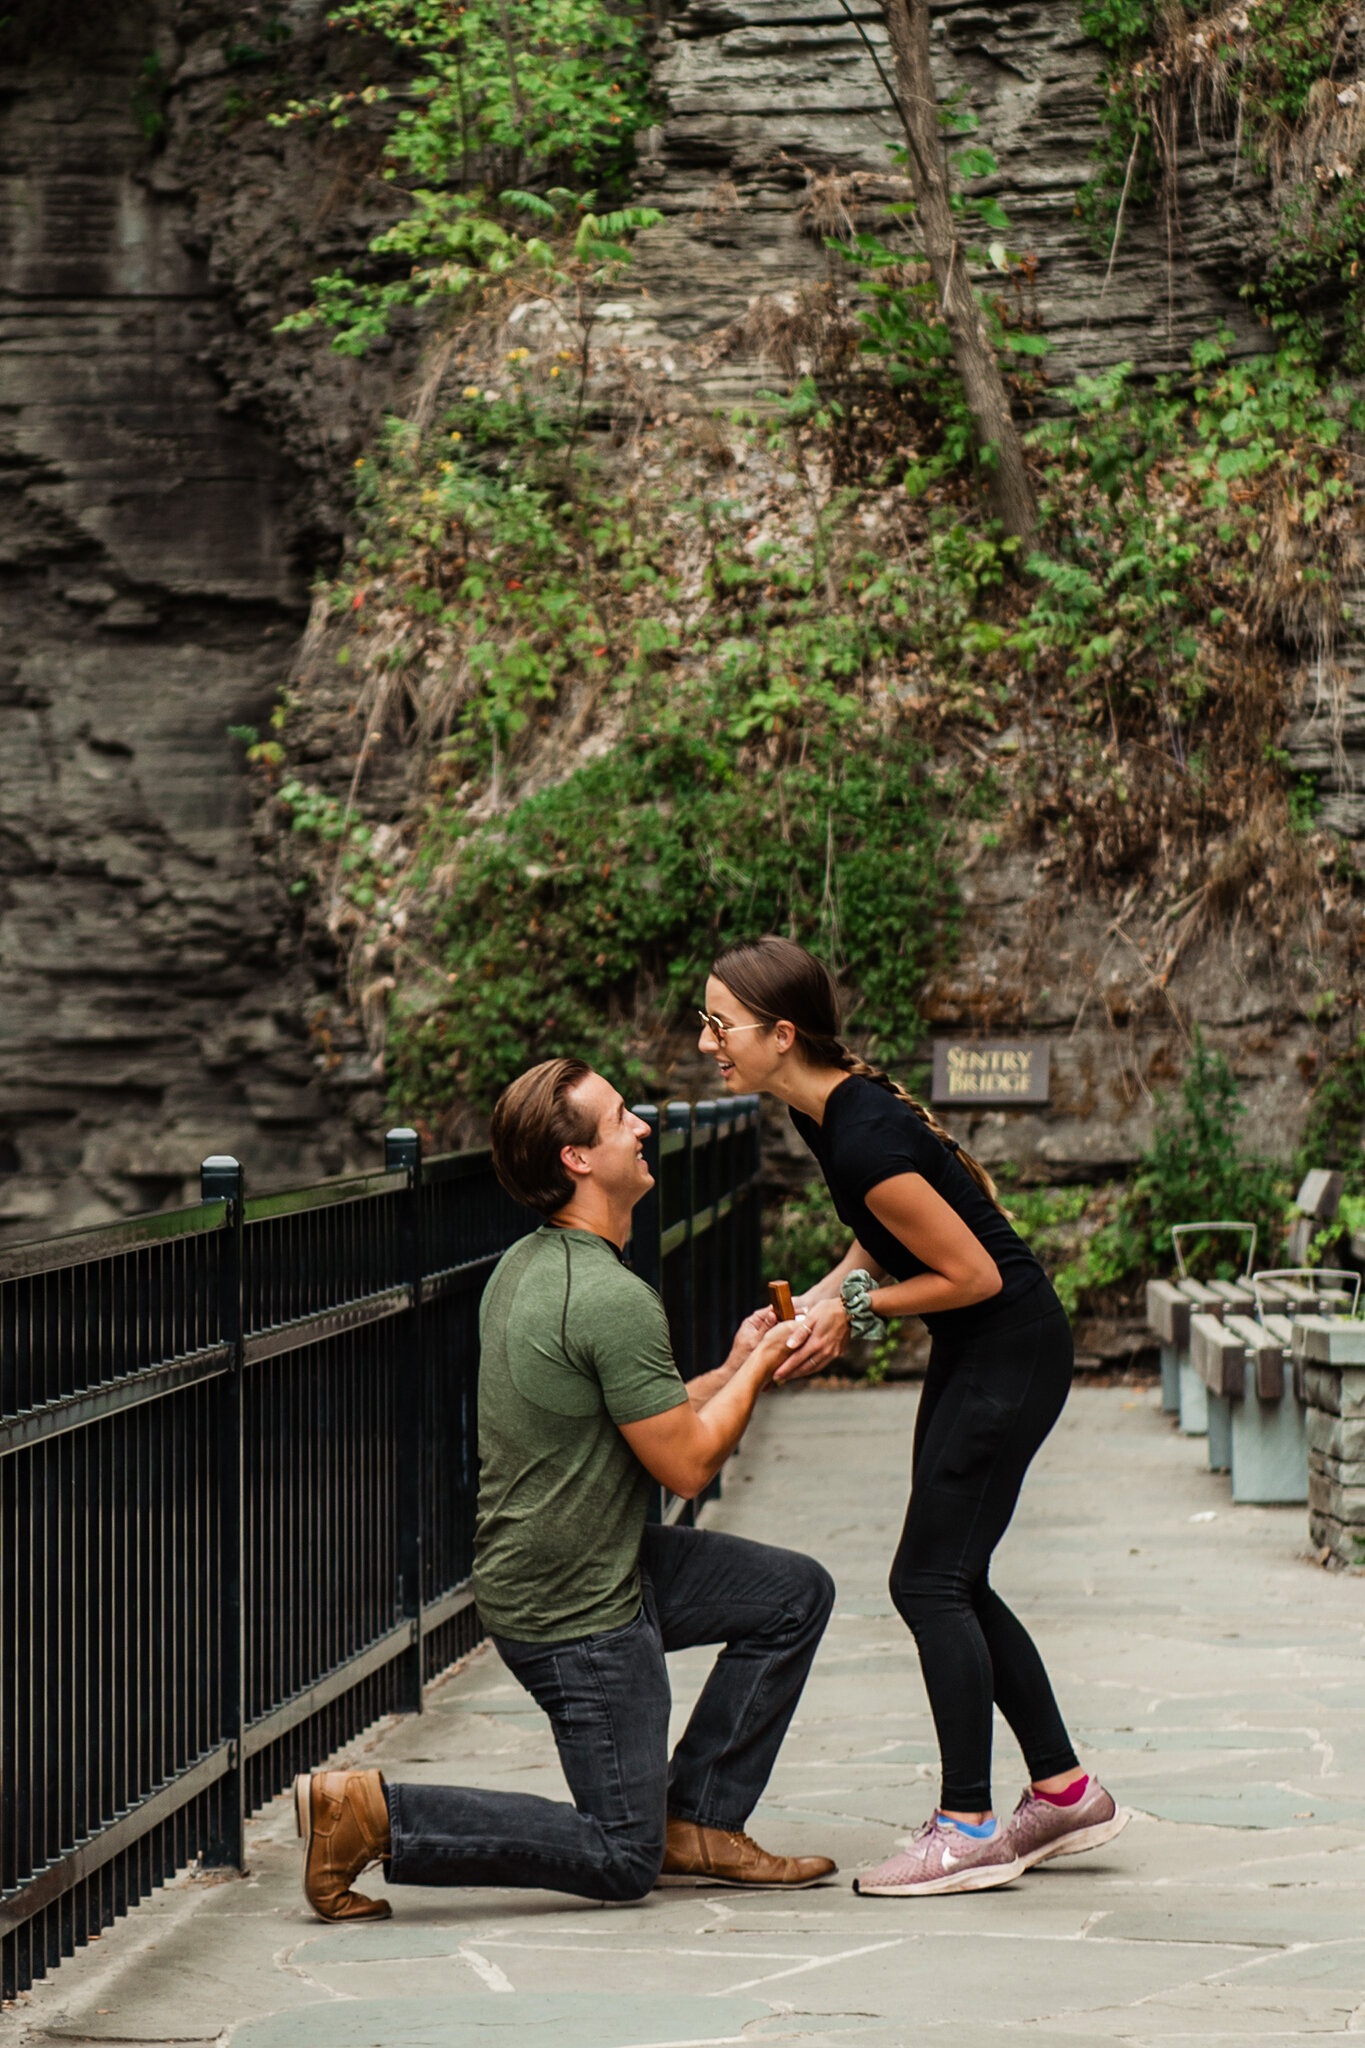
608 1700
988 1402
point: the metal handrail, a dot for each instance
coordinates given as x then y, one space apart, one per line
1186 1229
256 1395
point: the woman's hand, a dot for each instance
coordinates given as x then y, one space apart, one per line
826 1337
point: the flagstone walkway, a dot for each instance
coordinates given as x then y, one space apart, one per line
1214 1677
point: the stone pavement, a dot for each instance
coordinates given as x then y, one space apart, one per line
1213 1676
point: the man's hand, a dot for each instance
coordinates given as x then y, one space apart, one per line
826 1331
775 1348
749 1333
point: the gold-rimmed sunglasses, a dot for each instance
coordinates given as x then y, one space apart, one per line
720 1031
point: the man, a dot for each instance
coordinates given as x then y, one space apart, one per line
580 1407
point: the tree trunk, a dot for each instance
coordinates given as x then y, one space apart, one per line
983 387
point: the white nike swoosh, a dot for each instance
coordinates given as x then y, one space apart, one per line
950 1862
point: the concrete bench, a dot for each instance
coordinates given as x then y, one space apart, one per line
1196 1398
1256 1422
1267 1437
1329 1365
1237 1298
1168 1317
1193 1408
1218 1362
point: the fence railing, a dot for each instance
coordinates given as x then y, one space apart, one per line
238 1467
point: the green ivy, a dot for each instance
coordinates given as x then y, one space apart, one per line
1130 566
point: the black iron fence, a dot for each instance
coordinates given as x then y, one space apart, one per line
237 1486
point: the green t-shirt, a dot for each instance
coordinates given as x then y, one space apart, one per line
573 1344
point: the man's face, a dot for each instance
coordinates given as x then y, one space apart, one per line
615 1159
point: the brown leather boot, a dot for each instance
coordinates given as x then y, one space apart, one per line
343 1818
695 1855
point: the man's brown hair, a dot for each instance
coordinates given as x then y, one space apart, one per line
533 1119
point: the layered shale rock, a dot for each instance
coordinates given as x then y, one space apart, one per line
151 1009
776 116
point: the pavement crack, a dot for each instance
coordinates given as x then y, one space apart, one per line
283 1959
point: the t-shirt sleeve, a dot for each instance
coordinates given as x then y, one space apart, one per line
879 1150
621 1332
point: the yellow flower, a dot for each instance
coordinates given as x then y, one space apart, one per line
470 391
457 437
555 371
360 462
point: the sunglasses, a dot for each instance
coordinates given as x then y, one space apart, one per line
721 1031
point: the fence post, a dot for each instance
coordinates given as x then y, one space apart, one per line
707 1271
645 1224
221 1180
753 1200
403 1154
678 1117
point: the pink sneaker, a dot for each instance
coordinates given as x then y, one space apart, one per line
1039 1829
943 1859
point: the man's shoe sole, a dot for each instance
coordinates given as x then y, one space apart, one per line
980 1878
684 1879
303 1809
1083 1839
303 1821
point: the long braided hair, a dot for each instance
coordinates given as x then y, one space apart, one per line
781 982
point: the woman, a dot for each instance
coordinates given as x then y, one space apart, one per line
931 1240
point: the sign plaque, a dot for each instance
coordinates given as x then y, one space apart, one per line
992 1073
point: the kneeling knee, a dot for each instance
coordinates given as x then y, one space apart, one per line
632 1873
821 1594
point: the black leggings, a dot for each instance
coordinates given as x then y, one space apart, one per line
988 1402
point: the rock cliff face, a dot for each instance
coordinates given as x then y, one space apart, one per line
171 472
152 589
766 98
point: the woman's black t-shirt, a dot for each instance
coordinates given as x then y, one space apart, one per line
869 1136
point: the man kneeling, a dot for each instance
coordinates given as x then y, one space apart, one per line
580 1407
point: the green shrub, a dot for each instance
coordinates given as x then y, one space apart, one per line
596 906
802 1237
1335 1125
1194 1171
